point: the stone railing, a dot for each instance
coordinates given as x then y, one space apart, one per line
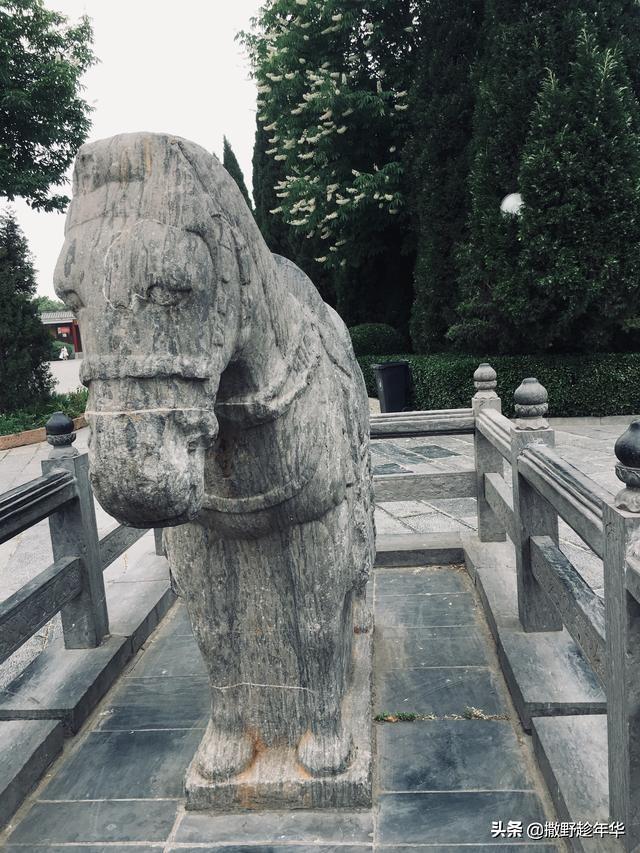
525 506
73 585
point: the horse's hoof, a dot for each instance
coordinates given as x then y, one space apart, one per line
222 754
325 754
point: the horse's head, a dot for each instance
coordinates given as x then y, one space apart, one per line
154 264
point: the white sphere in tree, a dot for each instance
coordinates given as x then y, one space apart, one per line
512 204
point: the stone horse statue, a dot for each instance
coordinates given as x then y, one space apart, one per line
226 405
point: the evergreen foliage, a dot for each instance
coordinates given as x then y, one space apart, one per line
25 344
266 174
521 44
333 79
44 117
45 303
579 385
441 104
375 339
230 162
578 272
36 416
356 177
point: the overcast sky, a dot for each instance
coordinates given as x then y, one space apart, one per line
164 66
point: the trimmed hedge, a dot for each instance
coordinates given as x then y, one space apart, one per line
578 385
375 338
72 404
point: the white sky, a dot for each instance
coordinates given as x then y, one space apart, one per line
169 66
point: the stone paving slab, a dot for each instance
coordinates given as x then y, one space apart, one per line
402 647
27 748
440 782
452 816
451 755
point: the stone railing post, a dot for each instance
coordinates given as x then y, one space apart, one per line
488 460
74 532
159 544
532 514
621 523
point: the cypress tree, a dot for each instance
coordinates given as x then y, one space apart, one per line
267 172
25 345
520 43
442 108
230 162
579 264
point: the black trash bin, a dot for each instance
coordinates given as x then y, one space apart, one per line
393 381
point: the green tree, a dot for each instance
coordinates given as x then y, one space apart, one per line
44 117
230 162
266 174
25 345
576 283
520 43
441 103
333 78
45 303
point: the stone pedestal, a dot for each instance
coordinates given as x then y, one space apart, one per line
277 780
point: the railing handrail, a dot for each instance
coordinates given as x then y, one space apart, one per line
30 503
497 429
402 424
38 601
73 585
577 498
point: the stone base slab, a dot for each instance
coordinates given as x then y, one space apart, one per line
420 549
276 780
546 673
27 748
572 755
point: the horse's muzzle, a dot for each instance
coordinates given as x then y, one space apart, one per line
147 465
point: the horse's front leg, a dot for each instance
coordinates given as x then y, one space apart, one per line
206 569
327 583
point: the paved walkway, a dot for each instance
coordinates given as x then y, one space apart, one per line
66 374
440 780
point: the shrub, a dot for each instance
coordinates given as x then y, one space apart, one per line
594 385
376 339
72 404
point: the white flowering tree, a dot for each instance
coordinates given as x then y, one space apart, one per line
333 78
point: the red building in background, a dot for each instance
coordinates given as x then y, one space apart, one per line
63 326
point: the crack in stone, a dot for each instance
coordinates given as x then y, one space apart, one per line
253 684
104 412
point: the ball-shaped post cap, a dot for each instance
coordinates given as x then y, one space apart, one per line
627 450
59 429
531 404
627 447
59 424
485 378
